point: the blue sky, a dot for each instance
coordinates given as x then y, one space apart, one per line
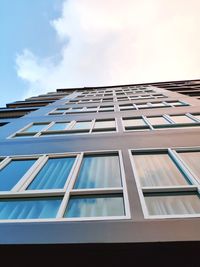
49 44
24 24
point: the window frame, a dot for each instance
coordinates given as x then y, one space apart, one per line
68 190
181 165
170 126
18 135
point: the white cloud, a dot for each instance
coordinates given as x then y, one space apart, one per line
114 42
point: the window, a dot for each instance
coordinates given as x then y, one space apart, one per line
106 108
82 125
95 206
35 127
173 203
162 121
191 158
66 128
134 123
104 125
29 208
59 126
157 170
53 175
181 119
99 171
159 120
126 107
168 181
63 186
177 103
11 173
101 175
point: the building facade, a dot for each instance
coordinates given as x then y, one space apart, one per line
103 175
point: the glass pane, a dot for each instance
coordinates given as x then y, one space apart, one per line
75 110
157 170
134 122
29 208
192 159
99 171
157 104
58 126
181 119
127 107
173 204
95 206
53 175
13 172
104 124
106 109
157 120
91 109
176 103
142 105
196 116
82 125
35 128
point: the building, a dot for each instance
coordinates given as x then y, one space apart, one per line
102 176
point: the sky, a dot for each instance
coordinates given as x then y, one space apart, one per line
50 44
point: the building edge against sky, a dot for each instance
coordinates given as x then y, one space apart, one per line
102 174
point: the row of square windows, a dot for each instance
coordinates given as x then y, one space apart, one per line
93 185
112 108
117 94
118 98
118 90
42 129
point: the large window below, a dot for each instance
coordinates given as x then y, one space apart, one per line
168 182
80 186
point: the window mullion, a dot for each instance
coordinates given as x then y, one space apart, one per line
145 119
4 162
92 126
70 186
186 170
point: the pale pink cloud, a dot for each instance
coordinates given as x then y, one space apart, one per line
116 42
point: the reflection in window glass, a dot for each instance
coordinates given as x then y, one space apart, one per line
181 119
91 109
158 104
142 106
158 120
134 122
35 128
176 103
53 175
95 206
59 126
106 108
126 107
172 203
104 124
81 125
29 208
192 159
99 172
13 172
157 170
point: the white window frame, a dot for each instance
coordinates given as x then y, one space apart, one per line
67 191
68 131
194 187
172 125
